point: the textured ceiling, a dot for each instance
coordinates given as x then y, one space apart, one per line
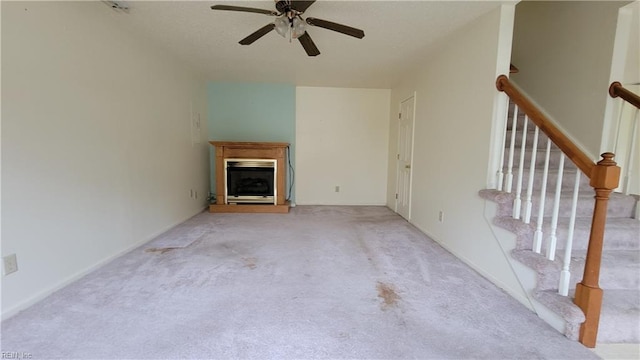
398 34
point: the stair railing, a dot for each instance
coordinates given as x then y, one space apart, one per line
603 177
626 141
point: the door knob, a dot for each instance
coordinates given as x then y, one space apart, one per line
407 166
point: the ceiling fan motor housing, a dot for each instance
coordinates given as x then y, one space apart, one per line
284 7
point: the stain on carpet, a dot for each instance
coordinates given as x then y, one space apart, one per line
164 249
250 262
160 250
388 294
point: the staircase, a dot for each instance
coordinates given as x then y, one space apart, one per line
620 264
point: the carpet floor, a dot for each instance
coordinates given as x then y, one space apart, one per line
319 282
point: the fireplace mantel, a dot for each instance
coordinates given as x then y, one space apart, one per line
250 150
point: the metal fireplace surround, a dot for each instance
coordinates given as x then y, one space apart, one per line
250 181
250 177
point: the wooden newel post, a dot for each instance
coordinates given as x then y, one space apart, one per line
605 177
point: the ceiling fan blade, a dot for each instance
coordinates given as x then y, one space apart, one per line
301 6
308 45
258 34
344 29
244 9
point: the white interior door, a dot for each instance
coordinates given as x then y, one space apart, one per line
404 156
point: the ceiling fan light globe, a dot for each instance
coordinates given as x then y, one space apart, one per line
298 28
282 26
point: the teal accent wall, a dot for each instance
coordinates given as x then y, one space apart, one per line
252 112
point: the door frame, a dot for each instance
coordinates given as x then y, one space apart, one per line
413 142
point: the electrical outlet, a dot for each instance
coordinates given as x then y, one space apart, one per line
441 216
10 263
337 188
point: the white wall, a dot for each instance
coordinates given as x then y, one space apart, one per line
96 143
455 91
563 50
632 62
341 140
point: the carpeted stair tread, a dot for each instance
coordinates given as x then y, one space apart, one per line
565 308
620 269
537 262
542 138
496 195
519 123
619 205
620 233
620 317
554 159
524 232
568 180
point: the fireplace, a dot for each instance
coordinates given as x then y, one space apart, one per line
250 177
250 181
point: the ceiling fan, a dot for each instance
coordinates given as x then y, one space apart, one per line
290 22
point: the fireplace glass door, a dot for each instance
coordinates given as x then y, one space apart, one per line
250 181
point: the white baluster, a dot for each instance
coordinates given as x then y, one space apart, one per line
528 203
512 145
500 174
517 202
537 236
553 239
565 275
